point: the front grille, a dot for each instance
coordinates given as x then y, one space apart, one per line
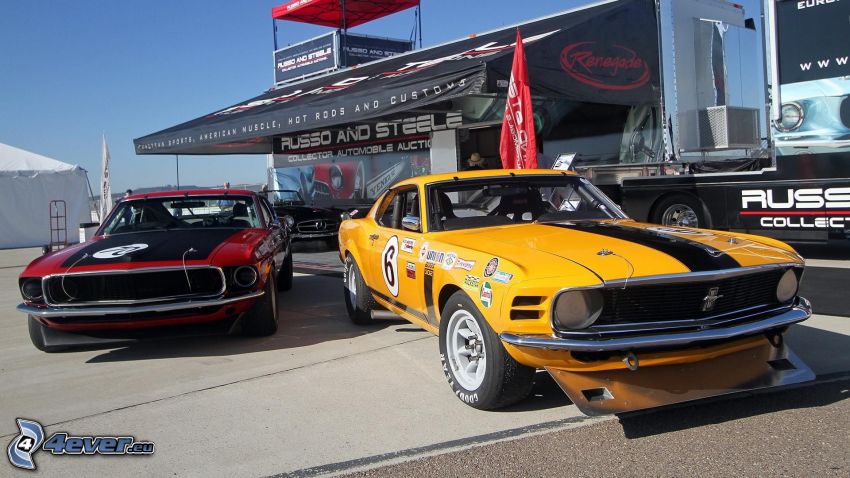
145 286
321 189
685 301
318 225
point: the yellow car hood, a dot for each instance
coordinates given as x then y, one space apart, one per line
617 249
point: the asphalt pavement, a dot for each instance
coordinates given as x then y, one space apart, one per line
323 396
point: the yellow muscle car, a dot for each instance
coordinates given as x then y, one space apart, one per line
537 269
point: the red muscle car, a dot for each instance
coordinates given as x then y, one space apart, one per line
168 263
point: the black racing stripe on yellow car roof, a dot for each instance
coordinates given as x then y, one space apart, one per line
696 256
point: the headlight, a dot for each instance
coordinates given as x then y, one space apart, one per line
792 117
787 287
245 276
31 289
578 309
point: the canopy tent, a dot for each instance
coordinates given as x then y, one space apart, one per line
602 53
339 14
28 182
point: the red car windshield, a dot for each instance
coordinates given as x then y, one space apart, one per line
193 212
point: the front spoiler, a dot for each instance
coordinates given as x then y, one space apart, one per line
801 311
618 391
50 312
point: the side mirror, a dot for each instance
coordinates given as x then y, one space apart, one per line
290 223
411 223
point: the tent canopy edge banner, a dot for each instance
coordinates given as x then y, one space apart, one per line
329 13
600 53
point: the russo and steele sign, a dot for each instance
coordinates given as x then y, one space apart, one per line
407 134
331 51
814 39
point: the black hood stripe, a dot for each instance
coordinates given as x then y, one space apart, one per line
162 245
696 256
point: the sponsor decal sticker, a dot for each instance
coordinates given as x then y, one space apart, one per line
486 295
491 267
471 282
429 269
407 245
31 439
435 256
119 251
411 270
502 277
389 265
465 265
449 260
423 252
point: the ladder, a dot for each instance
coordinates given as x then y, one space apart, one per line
58 225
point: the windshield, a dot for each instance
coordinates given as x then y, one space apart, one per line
189 212
520 199
285 198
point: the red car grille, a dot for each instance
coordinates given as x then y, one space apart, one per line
125 287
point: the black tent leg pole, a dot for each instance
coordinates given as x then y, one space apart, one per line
177 160
274 33
419 8
344 54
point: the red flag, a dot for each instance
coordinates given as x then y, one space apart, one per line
518 145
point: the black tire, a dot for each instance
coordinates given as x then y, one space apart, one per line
284 277
37 333
679 210
505 380
359 302
261 320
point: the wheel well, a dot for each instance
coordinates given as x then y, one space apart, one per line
445 293
705 213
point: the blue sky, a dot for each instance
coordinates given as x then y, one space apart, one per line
72 70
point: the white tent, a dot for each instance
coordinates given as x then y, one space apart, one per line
28 182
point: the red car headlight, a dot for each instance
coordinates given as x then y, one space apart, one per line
31 289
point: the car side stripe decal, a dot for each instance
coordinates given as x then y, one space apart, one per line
428 289
696 256
401 306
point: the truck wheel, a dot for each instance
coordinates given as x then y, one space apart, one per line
480 371
284 277
262 318
358 297
37 333
679 210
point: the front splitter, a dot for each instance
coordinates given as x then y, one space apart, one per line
618 391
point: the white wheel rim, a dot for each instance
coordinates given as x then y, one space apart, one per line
466 352
352 285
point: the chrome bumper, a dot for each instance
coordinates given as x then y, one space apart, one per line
48 312
313 235
801 311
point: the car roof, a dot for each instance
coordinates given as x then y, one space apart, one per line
482 173
192 192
